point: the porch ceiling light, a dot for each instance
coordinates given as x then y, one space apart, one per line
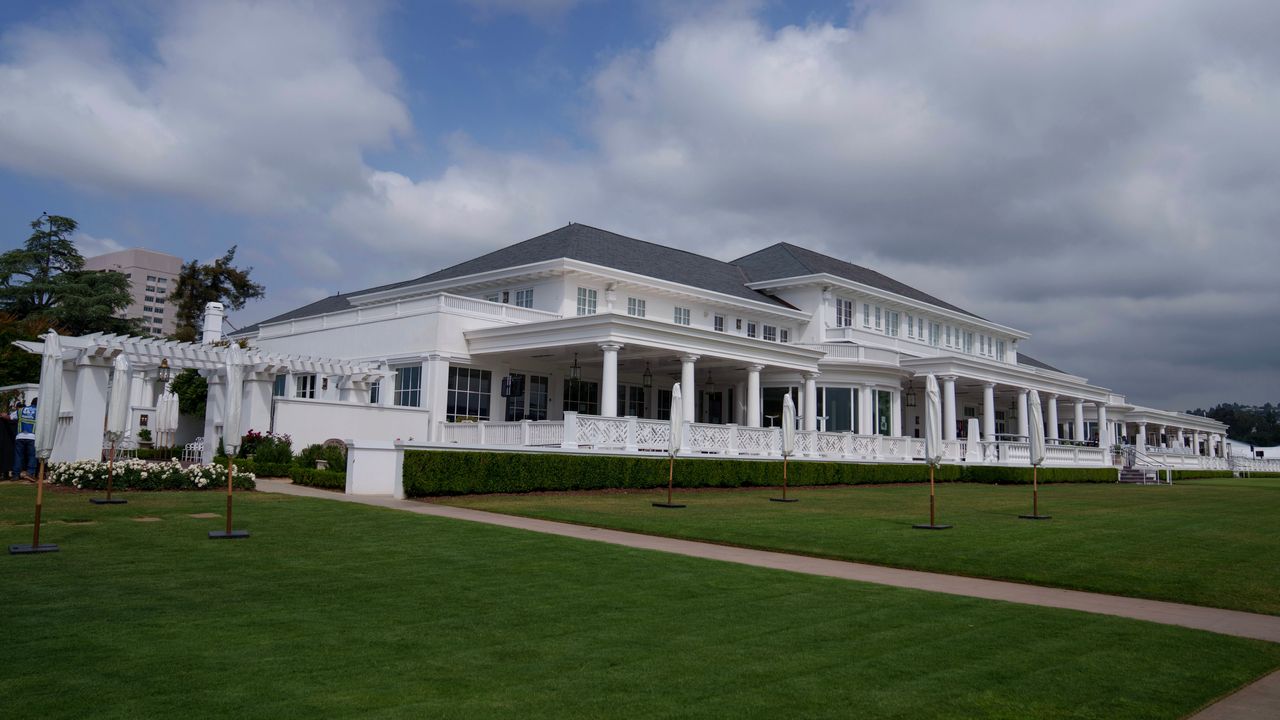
647 379
911 398
575 370
163 373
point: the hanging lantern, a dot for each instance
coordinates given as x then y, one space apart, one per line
163 373
575 370
647 379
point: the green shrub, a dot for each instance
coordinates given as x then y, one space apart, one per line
143 475
159 453
319 478
1208 474
442 472
336 456
258 468
274 448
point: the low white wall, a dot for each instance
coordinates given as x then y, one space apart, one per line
372 468
313 421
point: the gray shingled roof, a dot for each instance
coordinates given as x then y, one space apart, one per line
785 260
1028 360
601 247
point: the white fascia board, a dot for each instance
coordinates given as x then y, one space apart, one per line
1152 416
1004 374
379 296
835 280
627 330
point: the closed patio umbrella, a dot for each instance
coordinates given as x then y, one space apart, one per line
1036 420
50 406
117 420
673 447
788 441
235 369
932 443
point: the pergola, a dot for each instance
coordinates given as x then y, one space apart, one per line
87 363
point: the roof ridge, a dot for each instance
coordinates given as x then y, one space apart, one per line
649 242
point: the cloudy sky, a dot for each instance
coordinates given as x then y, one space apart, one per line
1104 175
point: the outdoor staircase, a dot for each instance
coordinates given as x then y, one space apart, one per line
1138 475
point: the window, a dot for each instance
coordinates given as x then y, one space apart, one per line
751 329
771 333
304 387
149 298
935 333
162 280
515 403
717 323
784 335
524 298
682 316
664 405
408 390
737 324
891 324
587 301
635 307
539 395
159 311
582 396
280 386
968 342
844 312
920 328
151 278
866 315
631 400
147 308
911 327
375 393
1000 350
877 317
468 398
948 342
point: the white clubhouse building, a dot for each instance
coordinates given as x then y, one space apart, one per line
572 341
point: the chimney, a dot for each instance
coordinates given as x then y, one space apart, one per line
213 313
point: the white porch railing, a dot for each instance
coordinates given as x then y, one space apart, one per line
630 434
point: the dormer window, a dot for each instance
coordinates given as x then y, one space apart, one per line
587 298
635 307
682 316
844 312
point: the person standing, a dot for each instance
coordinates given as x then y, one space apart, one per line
8 429
24 446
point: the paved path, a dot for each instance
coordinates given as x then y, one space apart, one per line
1259 701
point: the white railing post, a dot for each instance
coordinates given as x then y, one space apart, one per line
733 440
526 430
846 445
906 449
777 436
631 433
480 432
684 436
570 439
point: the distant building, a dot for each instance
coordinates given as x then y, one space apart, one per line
152 277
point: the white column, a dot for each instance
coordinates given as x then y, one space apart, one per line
1141 440
1024 424
387 389
989 411
435 394
1079 419
740 403
609 380
1106 435
1162 439
1052 416
88 412
1182 440
895 423
687 385
753 395
811 401
948 407
864 410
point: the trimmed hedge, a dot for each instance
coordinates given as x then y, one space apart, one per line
1209 474
260 469
443 472
319 478
143 475
159 453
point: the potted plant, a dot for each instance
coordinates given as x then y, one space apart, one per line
144 438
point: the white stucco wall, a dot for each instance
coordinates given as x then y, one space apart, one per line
313 421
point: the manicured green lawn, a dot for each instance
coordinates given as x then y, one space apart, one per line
335 610
1205 542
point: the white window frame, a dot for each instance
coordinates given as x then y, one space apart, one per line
751 328
784 335
635 307
911 326
878 313
866 315
524 297
588 301
406 388
717 323
844 312
304 386
769 333
892 320
681 316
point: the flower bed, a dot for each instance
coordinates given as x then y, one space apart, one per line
142 475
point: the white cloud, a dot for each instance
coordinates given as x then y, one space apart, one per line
257 106
90 246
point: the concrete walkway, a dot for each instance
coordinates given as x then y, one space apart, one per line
1259 701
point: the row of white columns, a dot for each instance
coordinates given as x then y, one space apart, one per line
1214 446
1024 430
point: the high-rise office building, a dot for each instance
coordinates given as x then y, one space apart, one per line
152 276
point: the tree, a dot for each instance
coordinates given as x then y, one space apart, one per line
17 365
29 275
88 301
192 391
199 284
